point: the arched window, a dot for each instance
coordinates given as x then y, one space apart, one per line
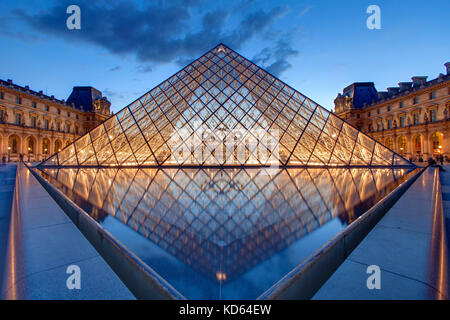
436 142
389 143
402 145
58 145
13 144
418 144
31 145
45 146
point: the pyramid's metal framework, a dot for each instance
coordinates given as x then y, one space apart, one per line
223 110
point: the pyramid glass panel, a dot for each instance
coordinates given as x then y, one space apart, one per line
223 110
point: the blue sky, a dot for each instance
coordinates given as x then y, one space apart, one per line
125 48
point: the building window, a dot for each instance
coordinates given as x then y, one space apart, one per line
416 118
18 119
378 111
46 108
57 126
58 111
368 114
58 146
33 104
401 104
432 95
1 115
1 95
402 122
33 122
390 124
357 116
45 146
13 144
68 114
76 117
402 145
416 100
67 128
389 108
46 124
18 100
379 126
433 115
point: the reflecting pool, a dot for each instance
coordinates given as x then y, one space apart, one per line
224 233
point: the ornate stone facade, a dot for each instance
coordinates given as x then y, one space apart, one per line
33 125
412 119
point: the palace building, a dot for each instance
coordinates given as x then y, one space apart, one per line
33 125
412 119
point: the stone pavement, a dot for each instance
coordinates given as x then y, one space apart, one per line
46 242
402 245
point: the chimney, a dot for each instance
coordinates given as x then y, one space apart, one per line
10 81
382 94
418 81
405 85
447 65
40 92
393 90
27 88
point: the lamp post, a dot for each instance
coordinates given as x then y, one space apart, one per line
9 154
29 153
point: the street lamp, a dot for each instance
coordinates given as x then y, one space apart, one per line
29 152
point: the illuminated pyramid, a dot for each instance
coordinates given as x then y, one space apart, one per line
223 110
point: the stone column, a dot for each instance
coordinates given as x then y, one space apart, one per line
426 145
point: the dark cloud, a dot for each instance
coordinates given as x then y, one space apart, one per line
160 32
275 59
144 68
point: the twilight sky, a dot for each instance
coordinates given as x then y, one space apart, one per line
125 48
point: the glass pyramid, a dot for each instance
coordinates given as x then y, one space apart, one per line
223 110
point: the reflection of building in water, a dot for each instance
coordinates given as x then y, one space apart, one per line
223 222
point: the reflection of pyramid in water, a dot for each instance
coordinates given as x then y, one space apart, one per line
224 110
